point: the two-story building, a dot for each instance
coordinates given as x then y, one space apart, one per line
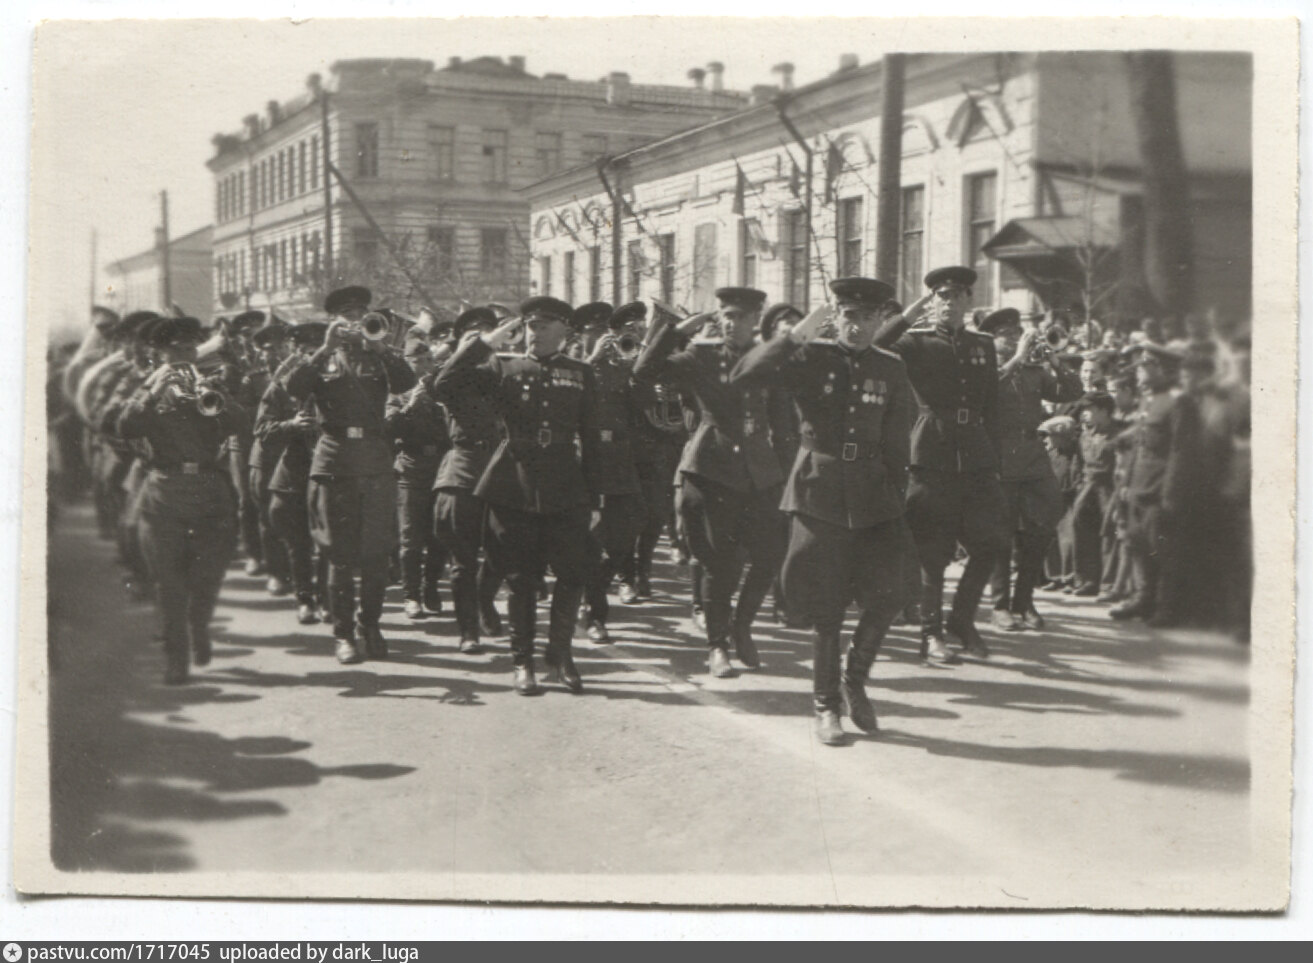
435 157
1024 166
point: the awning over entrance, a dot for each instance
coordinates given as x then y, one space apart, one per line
1029 238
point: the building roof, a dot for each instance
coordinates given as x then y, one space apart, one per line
1027 237
199 241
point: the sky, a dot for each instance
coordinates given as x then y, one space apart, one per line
125 109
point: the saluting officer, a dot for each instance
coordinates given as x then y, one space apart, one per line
953 494
187 512
622 512
287 431
419 426
352 490
459 515
731 478
848 539
1034 503
542 481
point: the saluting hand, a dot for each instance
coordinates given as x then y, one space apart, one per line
809 328
503 333
691 326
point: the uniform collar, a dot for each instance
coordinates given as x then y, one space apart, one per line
948 332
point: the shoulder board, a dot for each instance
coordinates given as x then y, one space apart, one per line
979 334
893 355
509 355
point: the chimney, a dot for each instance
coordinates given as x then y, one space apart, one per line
762 94
453 63
698 76
785 70
252 122
315 84
275 110
516 62
848 61
717 71
617 88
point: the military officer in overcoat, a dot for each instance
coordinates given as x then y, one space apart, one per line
188 517
953 493
541 483
730 472
848 539
352 489
1034 503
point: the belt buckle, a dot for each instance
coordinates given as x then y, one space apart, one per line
606 434
544 437
191 468
964 416
355 433
850 451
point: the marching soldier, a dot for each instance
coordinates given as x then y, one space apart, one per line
459 515
352 490
419 425
848 539
622 512
187 512
271 340
953 493
730 473
541 482
1034 503
288 432
245 381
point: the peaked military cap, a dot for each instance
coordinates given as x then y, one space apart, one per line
546 306
274 330
343 299
1002 318
771 318
171 331
633 311
309 333
474 318
961 276
247 321
750 299
104 318
595 312
864 291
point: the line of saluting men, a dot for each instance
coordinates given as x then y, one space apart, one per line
836 458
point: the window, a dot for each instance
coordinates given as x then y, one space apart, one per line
364 246
259 185
594 147
255 188
443 144
567 276
594 274
748 262
220 212
442 251
911 244
300 168
704 267
494 156
545 275
795 257
314 255
666 244
848 234
635 270
367 149
314 163
548 148
981 196
294 265
493 255
282 264
241 193
241 270
282 175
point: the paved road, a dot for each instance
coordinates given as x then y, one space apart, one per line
1091 755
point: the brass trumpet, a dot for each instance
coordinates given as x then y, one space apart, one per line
375 326
1053 339
185 387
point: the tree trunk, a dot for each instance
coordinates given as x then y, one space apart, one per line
887 218
1168 247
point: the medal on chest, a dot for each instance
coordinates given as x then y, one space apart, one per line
874 391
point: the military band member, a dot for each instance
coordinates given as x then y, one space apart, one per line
618 407
848 539
953 494
245 378
271 341
1094 502
352 489
730 473
187 512
419 426
288 431
1034 503
542 482
459 515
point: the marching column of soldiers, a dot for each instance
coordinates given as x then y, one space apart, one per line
841 459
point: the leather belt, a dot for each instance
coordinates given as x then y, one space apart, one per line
848 451
345 431
184 468
542 438
961 416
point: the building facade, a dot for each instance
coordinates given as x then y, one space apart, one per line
136 283
435 156
1024 166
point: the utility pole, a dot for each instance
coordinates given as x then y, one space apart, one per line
891 174
167 294
328 192
807 203
617 222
